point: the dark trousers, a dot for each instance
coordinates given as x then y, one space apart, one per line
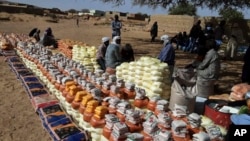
153 38
101 62
191 45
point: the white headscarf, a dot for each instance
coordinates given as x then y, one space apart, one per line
116 38
165 39
105 39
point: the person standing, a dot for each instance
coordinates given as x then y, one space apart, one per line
179 39
154 31
77 21
231 49
116 27
113 56
219 33
167 53
100 56
193 36
246 67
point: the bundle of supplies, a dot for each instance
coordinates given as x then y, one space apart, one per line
163 135
214 132
113 101
194 120
201 136
179 110
179 128
123 106
119 131
239 91
162 105
164 119
133 116
111 119
150 126
134 137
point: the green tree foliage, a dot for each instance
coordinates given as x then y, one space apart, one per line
183 9
85 10
212 4
231 14
72 11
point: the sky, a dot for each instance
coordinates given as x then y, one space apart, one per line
98 5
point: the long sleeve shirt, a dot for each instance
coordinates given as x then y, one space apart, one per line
113 56
101 51
167 54
209 68
116 28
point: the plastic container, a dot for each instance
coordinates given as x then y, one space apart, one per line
215 115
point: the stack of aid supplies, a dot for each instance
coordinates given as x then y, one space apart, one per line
98 121
18 67
59 125
54 119
100 112
37 93
239 91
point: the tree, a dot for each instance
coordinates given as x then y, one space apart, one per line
212 4
72 11
85 10
56 9
183 9
231 14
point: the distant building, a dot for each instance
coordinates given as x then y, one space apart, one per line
136 17
111 14
96 13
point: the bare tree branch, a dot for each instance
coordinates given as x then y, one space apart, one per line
212 4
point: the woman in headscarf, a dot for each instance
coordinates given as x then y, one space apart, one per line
48 38
154 31
231 50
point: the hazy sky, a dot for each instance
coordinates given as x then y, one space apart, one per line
98 5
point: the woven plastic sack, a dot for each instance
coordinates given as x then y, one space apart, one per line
183 89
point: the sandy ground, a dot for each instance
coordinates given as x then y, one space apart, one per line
19 122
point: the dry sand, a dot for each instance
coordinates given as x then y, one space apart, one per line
19 122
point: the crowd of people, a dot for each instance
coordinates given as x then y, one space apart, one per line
112 54
207 63
204 42
109 54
